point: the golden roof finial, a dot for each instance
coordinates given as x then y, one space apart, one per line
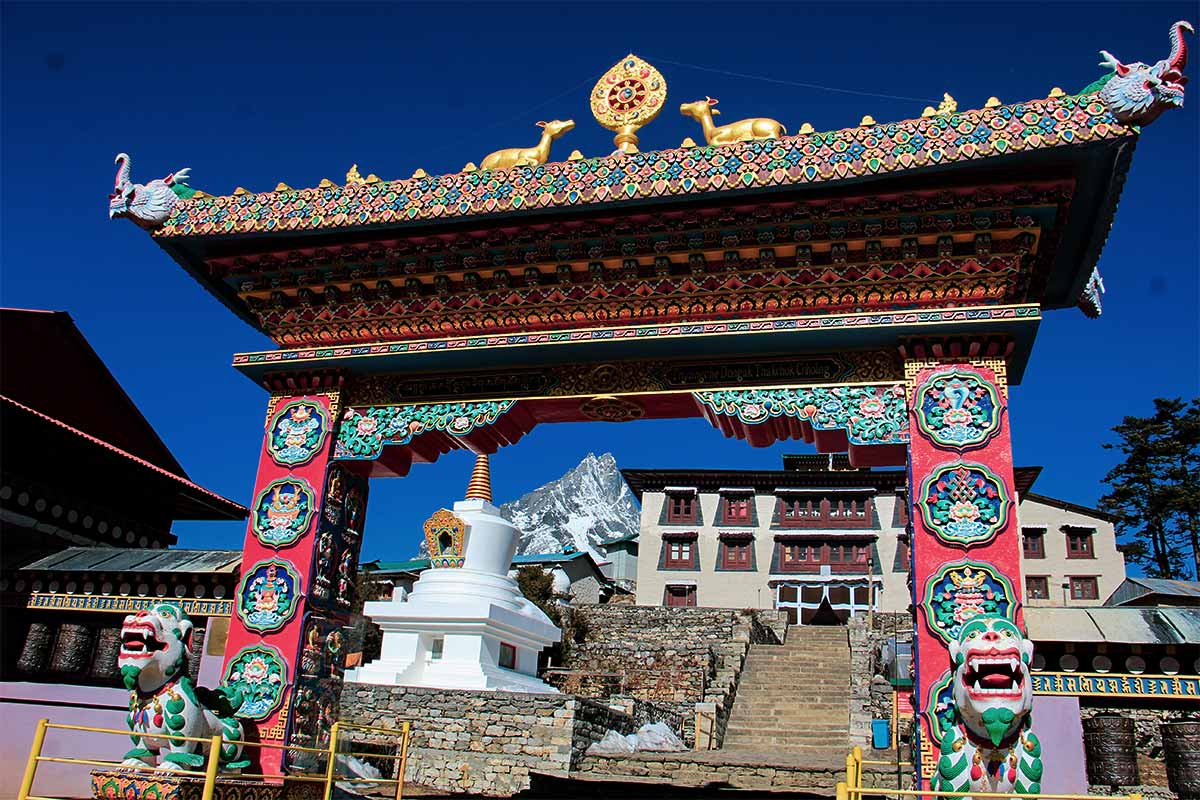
326 184
948 106
805 128
992 102
282 187
575 156
480 485
688 142
353 176
867 121
1056 92
629 95
420 173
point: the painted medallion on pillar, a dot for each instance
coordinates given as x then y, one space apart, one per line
296 432
964 504
961 591
444 533
283 512
268 595
939 707
958 409
260 674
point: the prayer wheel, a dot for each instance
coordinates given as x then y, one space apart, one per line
1110 744
108 647
35 654
1181 742
72 650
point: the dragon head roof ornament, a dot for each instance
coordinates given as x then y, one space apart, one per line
1137 93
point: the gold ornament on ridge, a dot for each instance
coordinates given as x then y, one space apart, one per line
528 156
631 94
744 130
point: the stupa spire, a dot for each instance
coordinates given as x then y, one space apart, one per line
480 487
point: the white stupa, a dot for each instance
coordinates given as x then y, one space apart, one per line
465 625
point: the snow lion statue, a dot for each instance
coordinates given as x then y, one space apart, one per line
990 747
155 646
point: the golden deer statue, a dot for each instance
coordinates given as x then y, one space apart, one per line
529 156
745 130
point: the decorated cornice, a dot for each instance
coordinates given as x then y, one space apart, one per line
811 158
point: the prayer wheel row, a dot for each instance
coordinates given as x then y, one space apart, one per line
1110 744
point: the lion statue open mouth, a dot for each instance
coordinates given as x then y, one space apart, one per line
155 647
990 748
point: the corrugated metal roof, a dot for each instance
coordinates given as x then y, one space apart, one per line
1186 621
548 558
1167 586
1148 625
120 559
1061 625
1134 625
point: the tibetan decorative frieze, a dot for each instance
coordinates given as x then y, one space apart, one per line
796 160
194 607
1095 684
868 414
958 409
964 504
364 431
628 377
961 591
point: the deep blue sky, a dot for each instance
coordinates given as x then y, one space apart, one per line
253 95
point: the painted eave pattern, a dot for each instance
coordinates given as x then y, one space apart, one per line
817 158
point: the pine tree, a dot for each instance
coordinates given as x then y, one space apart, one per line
1155 490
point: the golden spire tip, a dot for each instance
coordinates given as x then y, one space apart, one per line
480 486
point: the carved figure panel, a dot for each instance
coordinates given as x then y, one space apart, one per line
283 512
260 674
958 409
268 595
296 432
961 591
965 504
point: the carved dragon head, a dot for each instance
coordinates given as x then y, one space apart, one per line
993 694
1137 93
155 646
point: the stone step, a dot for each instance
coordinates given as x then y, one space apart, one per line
775 716
781 741
780 727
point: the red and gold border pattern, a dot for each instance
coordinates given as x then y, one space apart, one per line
796 160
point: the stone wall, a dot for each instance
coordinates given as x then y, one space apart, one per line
674 657
483 742
870 691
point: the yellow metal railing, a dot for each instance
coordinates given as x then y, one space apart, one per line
212 763
852 788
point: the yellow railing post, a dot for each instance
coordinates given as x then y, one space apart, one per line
331 767
210 769
850 768
39 736
404 760
858 766
842 794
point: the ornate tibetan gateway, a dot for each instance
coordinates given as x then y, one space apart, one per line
990 747
155 647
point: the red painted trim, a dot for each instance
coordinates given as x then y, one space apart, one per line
228 504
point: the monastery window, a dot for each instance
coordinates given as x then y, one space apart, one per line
679 552
903 556
830 511
1037 587
901 515
737 509
680 596
1033 542
435 651
1079 543
681 508
1084 588
801 557
508 656
737 553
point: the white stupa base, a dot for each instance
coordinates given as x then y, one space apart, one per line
454 628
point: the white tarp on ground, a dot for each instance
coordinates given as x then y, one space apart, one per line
653 737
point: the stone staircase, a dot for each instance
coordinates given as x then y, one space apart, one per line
794 699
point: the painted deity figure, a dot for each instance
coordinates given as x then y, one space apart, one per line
268 598
990 748
323 573
155 647
283 511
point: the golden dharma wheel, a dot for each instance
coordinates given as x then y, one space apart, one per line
628 96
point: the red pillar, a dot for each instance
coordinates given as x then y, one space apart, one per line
966 540
286 647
